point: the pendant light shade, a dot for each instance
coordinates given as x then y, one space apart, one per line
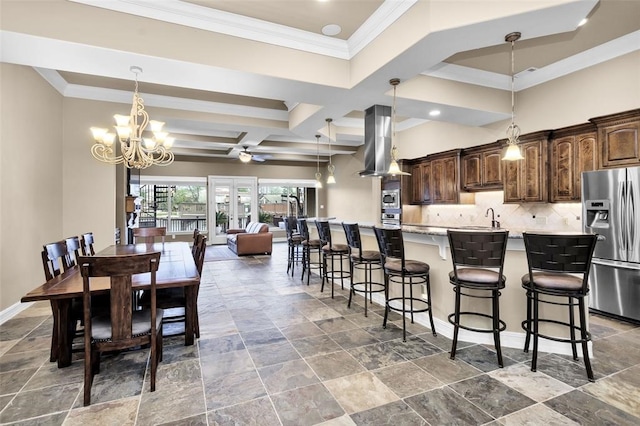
331 179
513 131
394 167
318 174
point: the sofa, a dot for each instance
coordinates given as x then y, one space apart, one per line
254 239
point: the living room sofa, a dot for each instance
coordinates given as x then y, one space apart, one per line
254 239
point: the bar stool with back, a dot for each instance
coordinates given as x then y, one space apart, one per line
478 261
365 260
558 268
398 269
309 246
332 251
294 242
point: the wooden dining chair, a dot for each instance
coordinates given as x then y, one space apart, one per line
86 244
124 328
148 235
174 300
73 249
55 260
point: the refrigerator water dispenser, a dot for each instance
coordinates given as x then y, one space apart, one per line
597 214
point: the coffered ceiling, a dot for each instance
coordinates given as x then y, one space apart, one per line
224 74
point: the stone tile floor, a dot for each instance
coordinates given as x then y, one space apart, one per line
273 351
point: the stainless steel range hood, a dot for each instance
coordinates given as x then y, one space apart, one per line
377 141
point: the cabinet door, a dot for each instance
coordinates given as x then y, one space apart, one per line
471 171
512 177
426 183
444 181
534 172
563 168
586 159
491 169
416 184
620 145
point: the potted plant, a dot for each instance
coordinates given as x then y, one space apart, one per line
221 221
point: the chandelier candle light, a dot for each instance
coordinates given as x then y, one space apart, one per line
318 174
513 131
331 179
136 152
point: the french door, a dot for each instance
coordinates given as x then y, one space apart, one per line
233 202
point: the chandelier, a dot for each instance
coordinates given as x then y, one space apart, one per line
331 179
394 168
513 131
136 151
318 174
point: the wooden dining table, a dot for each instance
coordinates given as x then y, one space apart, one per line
177 269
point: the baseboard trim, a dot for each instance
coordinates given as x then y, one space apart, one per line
13 310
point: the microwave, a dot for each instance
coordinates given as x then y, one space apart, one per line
391 199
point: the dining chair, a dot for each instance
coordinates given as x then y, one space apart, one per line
148 235
86 244
559 267
194 246
73 249
173 300
124 328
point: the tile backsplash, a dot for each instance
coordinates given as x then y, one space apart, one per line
527 216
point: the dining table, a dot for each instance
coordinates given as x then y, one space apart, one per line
177 268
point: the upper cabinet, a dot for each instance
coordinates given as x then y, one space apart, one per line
525 181
482 168
618 139
573 151
445 177
421 182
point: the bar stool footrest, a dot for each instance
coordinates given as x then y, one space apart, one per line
526 327
451 318
380 287
408 309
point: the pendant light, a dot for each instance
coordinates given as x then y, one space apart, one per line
513 131
331 179
394 167
318 174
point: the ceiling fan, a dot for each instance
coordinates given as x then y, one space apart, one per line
245 156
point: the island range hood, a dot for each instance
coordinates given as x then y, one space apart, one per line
377 141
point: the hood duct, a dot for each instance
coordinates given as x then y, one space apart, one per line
377 141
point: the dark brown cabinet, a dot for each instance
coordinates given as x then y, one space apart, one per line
421 182
618 139
525 181
573 151
481 168
445 177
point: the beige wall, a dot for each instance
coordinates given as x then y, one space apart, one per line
31 187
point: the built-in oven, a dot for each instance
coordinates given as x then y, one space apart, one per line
390 199
390 219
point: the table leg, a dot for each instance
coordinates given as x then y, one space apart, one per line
66 330
190 293
53 356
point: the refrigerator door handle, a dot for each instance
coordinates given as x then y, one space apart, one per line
631 206
622 213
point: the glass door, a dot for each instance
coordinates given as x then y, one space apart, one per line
233 202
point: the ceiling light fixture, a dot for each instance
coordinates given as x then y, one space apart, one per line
318 174
434 112
394 168
331 29
583 21
513 131
331 179
244 155
136 152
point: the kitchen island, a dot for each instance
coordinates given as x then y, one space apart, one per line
431 245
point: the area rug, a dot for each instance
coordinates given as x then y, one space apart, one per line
219 252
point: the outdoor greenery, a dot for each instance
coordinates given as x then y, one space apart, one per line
265 217
221 218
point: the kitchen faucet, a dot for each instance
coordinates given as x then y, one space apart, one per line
494 223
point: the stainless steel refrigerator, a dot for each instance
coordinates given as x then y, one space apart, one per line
611 208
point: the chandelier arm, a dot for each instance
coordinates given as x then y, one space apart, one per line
104 153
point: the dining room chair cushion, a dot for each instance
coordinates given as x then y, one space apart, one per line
140 325
553 281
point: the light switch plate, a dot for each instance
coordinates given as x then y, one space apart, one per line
541 220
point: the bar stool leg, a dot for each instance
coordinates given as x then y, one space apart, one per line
411 297
404 318
456 325
572 329
527 330
433 327
496 325
583 335
386 301
366 280
352 291
534 359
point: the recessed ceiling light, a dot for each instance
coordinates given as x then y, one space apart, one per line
331 29
434 113
584 21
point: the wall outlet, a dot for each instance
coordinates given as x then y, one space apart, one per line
541 220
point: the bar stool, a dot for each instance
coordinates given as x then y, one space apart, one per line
309 246
558 267
339 252
397 269
294 241
365 260
478 261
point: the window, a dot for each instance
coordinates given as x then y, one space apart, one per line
179 204
279 198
